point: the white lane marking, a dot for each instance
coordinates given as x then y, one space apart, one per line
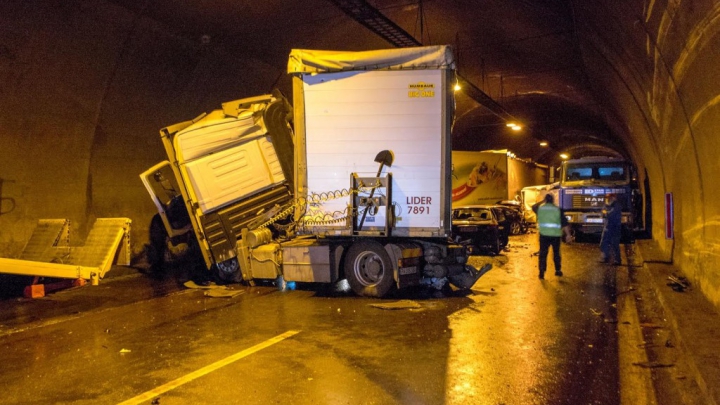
146 396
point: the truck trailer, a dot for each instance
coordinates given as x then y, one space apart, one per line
487 177
351 182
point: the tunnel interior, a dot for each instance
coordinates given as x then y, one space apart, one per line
87 85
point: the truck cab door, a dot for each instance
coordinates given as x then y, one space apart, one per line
164 190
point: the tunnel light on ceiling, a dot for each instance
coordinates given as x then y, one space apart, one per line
543 143
514 126
564 156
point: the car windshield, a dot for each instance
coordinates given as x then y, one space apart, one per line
473 214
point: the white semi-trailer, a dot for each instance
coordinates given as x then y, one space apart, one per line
352 183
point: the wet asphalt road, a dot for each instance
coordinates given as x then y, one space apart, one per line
512 339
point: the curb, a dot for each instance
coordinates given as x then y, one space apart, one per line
636 385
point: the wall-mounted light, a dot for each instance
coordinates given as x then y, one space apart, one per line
564 156
457 87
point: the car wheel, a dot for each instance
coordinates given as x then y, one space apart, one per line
495 248
368 269
515 228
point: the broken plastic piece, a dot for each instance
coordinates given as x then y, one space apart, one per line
402 304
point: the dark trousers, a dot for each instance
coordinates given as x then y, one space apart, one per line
545 243
610 245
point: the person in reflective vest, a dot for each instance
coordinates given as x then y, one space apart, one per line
552 224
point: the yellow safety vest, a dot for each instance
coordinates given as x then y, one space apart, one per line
549 220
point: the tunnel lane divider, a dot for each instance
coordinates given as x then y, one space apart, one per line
149 395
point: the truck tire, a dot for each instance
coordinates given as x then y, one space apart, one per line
229 271
157 248
368 269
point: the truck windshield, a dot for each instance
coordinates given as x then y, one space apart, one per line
596 171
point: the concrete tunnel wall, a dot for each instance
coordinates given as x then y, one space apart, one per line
85 86
653 67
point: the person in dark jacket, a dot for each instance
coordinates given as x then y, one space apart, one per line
552 224
612 229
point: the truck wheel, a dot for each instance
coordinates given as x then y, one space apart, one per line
157 247
229 271
368 269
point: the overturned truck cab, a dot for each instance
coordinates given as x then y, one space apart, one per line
353 182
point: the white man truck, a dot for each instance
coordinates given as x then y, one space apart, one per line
585 183
353 182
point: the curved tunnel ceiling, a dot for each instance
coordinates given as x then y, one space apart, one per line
523 54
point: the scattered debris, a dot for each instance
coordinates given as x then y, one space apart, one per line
155 401
651 325
653 364
669 344
402 304
678 283
626 291
223 293
596 313
213 290
211 285
608 320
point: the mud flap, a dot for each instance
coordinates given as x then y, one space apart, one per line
468 277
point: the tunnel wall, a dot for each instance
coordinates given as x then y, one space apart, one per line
84 88
654 65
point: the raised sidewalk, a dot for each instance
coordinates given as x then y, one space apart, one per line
681 330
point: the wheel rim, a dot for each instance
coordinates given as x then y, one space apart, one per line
228 266
515 228
368 268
